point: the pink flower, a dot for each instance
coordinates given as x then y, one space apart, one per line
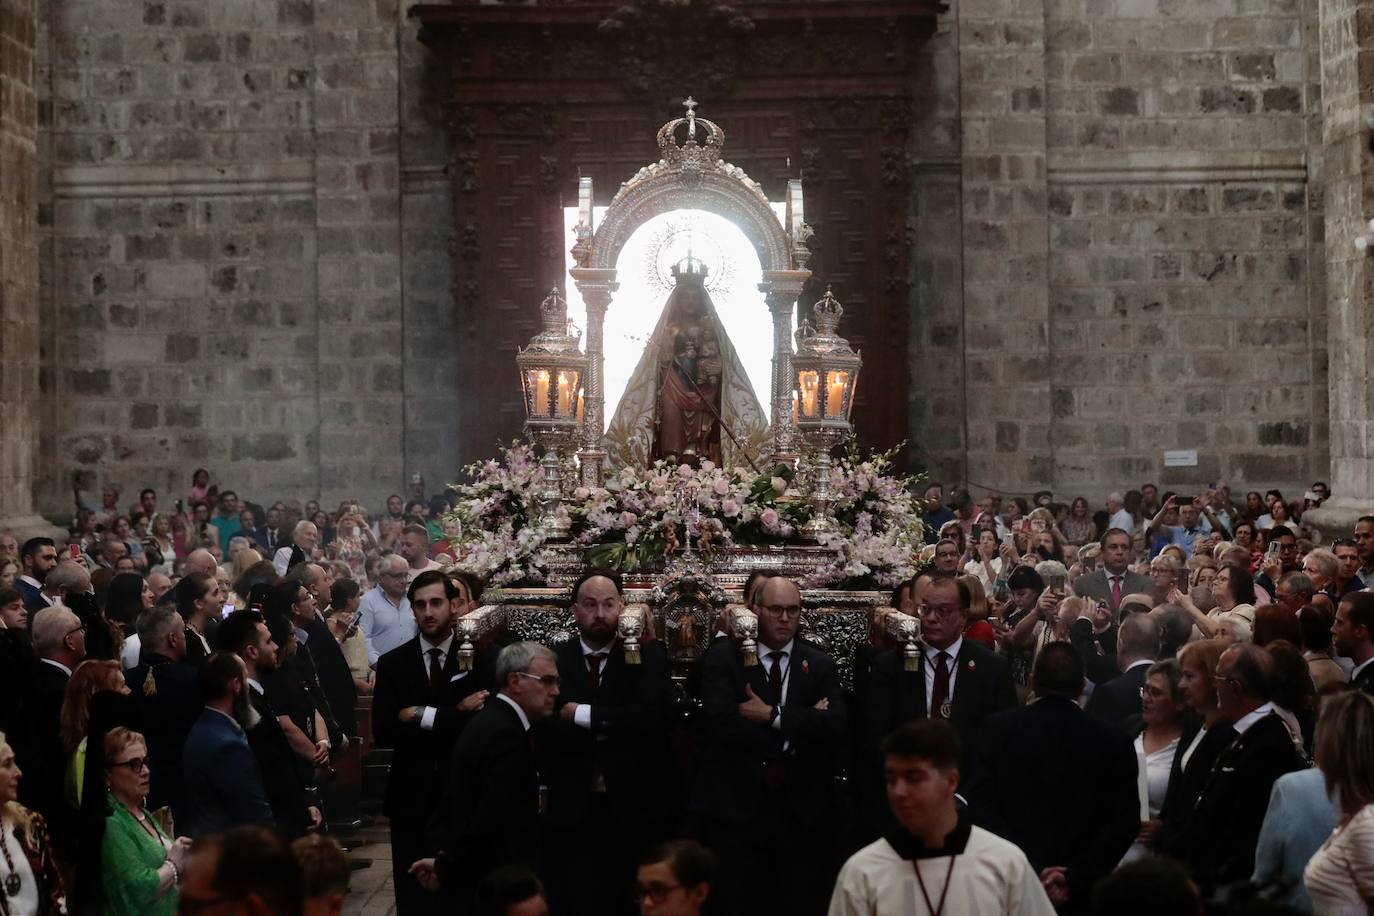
685 471
729 508
581 494
769 517
721 486
627 519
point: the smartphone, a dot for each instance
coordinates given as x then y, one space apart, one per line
1057 583
1181 500
74 550
1009 539
1274 548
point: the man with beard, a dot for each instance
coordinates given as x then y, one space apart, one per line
245 634
223 781
423 702
167 694
607 751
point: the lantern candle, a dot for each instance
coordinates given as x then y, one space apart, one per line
541 393
579 405
794 407
809 386
565 395
834 394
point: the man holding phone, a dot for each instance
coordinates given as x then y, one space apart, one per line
1197 520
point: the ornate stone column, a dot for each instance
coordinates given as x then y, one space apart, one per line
597 286
781 289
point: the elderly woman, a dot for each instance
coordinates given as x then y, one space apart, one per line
1321 566
1163 713
141 863
28 869
1164 570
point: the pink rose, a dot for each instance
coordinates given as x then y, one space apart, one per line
721 486
769 517
628 518
729 508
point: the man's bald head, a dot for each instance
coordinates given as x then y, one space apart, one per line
67 577
202 561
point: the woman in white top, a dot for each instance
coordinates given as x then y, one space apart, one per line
987 566
1340 877
29 879
1161 708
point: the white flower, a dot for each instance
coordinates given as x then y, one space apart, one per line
779 485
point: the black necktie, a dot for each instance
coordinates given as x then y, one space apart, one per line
775 676
594 669
436 674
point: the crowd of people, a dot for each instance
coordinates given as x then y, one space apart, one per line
1163 706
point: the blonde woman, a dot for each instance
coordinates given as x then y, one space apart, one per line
28 868
1340 876
1199 746
140 863
1321 566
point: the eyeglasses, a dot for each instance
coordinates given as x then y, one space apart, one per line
1224 680
655 893
940 611
1153 693
394 574
782 610
548 680
133 764
80 629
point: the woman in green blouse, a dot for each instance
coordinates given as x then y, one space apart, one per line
140 864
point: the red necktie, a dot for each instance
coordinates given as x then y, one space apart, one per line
939 691
775 676
1116 592
436 674
594 669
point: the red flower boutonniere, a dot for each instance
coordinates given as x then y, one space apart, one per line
806 668
972 666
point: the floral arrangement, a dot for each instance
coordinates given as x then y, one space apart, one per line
638 517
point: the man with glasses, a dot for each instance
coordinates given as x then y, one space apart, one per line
607 751
956 680
1137 646
763 785
423 701
1219 842
493 797
384 613
59 641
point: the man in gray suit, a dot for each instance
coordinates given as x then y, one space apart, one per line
1112 581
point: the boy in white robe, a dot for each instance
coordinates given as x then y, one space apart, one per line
937 862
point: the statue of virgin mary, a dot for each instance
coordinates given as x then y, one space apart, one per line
689 399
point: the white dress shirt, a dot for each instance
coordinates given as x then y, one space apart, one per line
1122 519
932 660
1355 671
1250 718
786 662
524 719
582 716
58 665
427 713
385 625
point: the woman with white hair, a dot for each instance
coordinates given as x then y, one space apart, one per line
28 870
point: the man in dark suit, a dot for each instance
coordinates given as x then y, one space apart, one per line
763 789
608 770
957 680
1114 580
1118 700
1352 634
59 640
336 681
245 634
1220 840
167 694
37 558
422 703
1058 783
492 800
223 781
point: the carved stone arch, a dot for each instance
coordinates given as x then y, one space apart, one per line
735 198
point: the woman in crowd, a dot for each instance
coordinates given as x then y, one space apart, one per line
125 532
201 491
205 531
438 508
1232 630
1078 528
344 597
352 545
141 863
28 868
1274 622
978 629
84 530
1202 569
160 539
1314 627
1163 712
1340 877
1292 692
1198 746
87 683
1164 571
953 531
128 596
1320 565
1254 506
986 566
9 572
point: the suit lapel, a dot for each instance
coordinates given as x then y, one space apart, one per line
800 689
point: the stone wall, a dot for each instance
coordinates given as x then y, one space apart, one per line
236 268
1142 261
245 247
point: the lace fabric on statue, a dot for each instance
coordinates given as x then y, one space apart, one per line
688 364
